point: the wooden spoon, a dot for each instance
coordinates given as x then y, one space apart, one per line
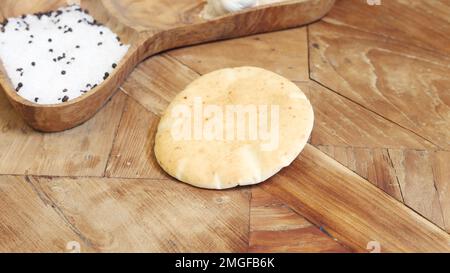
150 27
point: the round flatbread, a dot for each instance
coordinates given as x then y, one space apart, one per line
234 126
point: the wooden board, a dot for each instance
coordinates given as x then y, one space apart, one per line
149 27
370 178
350 208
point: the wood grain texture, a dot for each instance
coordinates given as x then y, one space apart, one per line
151 215
441 174
351 209
414 172
374 165
341 122
418 178
283 52
400 81
173 24
132 154
274 227
156 81
82 151
29 222
424 24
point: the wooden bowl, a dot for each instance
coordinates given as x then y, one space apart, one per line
150 27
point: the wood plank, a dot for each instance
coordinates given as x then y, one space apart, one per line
405 84
274 227
268 213
283 52
132 154
151 215
341 122
374 165
174 24
441 174
424 24
155 82
30 222
414 172
352 209
82 151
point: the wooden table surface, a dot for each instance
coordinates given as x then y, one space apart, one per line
378 79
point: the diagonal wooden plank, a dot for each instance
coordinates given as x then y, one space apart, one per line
155 82
81 151
424 24
441 175
274 227
136 215
414 171
352 209
284 52
341 122
29 222
132 153
374 165
405 84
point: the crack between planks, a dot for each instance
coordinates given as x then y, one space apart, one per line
50 177
387 39
444 222
116 133
379 115
322 229
47 200
396 175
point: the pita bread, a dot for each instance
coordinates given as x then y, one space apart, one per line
221 162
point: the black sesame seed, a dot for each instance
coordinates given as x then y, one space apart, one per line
79 21
118 38
50 50
65 90
20 85
30 42
49 40
106 76
31 36
63 72
99 44
114 65
33 63
36 99
77 46
54 60
65 98
60 27
101 32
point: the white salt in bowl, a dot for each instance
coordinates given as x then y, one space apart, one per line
149 27
59 116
